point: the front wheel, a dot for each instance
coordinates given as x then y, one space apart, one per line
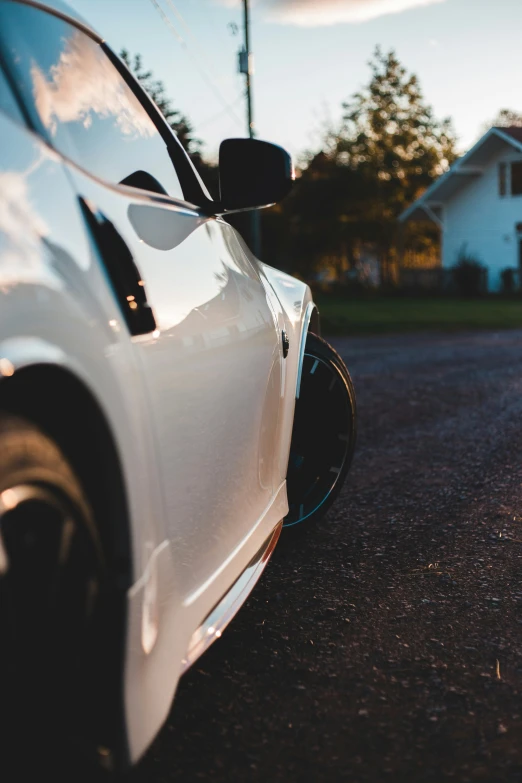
51 584
324 434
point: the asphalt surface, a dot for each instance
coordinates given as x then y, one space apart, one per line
386 644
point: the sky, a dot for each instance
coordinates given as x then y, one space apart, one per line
311 55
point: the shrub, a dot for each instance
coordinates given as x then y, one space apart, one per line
508 280
469 275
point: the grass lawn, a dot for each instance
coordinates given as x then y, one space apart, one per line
388 315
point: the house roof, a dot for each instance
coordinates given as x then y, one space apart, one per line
463 171
515 131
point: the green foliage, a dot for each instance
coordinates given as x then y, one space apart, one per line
390 133
391 139
157 91
319 222
380 315
388 150
177 121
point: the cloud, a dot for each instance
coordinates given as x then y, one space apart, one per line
21 231
83 84
320 13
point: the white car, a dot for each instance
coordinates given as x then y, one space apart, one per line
149 370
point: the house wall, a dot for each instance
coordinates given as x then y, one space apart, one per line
480 218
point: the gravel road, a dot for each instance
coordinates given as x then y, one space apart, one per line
385 645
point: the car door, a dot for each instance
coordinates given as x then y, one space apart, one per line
198 314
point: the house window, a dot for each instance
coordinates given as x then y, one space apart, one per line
502 172
516 179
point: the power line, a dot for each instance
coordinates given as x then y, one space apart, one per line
183 21
215 117
200 49
247 70
206 77
168 22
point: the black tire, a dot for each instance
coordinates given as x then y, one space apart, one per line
51 586
323 437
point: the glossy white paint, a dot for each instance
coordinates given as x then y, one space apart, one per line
221 401
201 409
215 623
294 305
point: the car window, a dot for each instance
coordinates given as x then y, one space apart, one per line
80 101
8 103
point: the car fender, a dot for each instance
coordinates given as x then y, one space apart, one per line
296 312
121 407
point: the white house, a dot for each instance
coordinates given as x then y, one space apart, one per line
478 205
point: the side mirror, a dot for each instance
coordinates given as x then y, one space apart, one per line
253 174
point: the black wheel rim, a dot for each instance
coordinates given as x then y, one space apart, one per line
49 580
321 439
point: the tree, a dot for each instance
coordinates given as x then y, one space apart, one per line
388 149
319 224
179 123
157 91
388 127
391 138
505 118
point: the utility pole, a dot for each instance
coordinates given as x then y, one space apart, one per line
246 67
